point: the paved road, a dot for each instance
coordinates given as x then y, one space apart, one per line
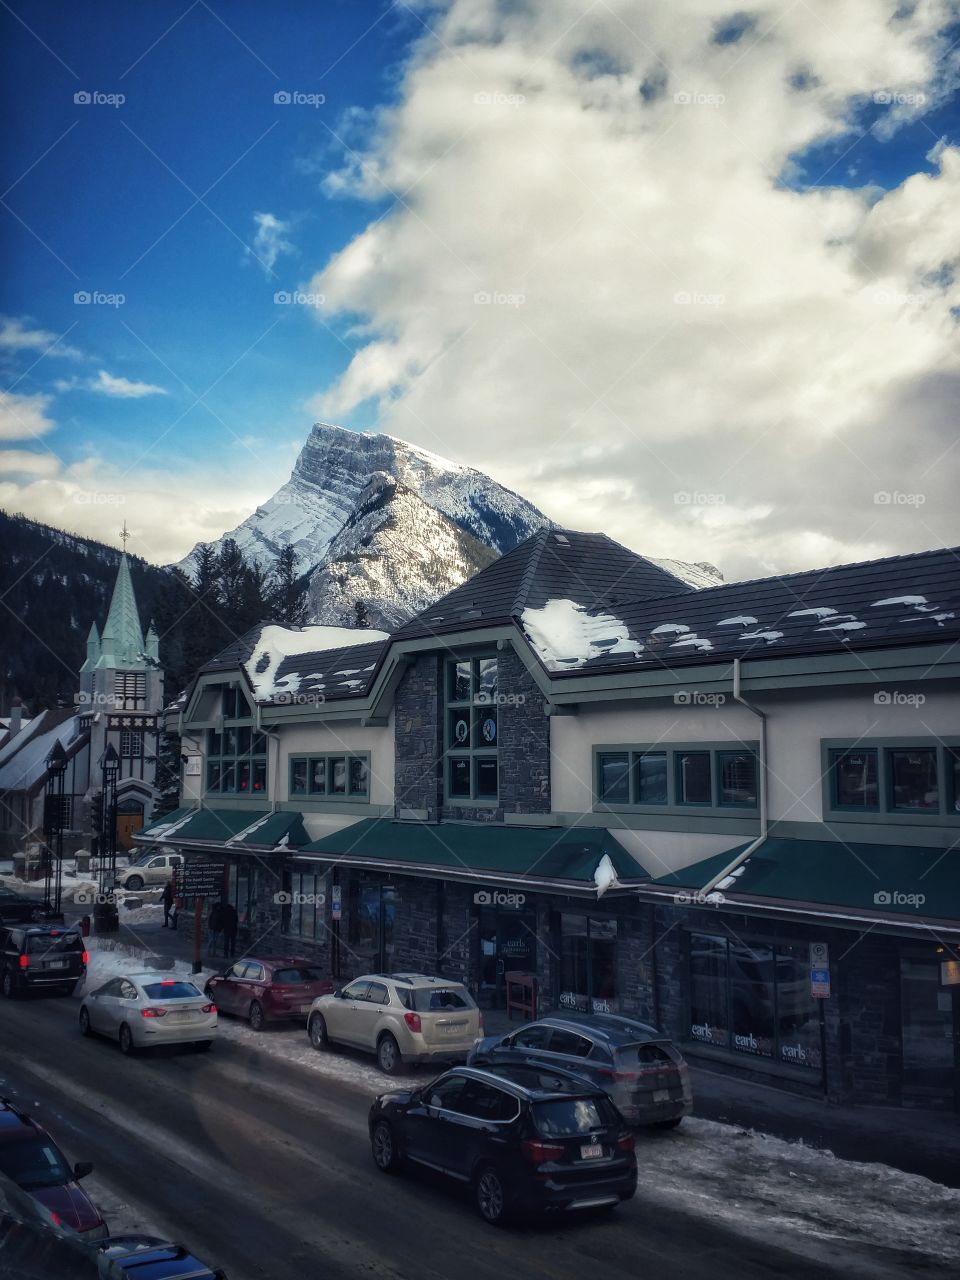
267 1171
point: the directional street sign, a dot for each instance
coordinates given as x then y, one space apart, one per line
200 880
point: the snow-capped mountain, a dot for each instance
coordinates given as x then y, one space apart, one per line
378 521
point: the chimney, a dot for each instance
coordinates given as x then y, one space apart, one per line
16 718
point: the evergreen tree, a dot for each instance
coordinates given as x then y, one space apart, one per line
168 774
288 590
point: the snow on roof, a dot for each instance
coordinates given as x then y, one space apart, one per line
899 600
23 760
564 635
276 643
742 620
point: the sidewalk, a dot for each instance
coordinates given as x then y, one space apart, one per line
921 1142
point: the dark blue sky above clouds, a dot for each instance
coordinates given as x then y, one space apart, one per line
201 172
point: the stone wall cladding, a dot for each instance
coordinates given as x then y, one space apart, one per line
418 726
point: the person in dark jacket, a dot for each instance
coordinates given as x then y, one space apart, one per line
228 919
214 927
168 906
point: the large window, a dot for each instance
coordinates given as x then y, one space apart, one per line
754 998
472 730
330 777
898 780
372 922
131 743
306 905
237 760
667 776
588 963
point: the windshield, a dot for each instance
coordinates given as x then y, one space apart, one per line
40 942
567 1118
437 999
171 990
297 975
34 1163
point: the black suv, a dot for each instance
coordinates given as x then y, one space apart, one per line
523 1139
637 1065
37 957
16 909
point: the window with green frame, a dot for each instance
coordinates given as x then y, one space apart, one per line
333 776
237 760
664 776
471 729
898 777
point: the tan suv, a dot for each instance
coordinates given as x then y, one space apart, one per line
401 1017
149 871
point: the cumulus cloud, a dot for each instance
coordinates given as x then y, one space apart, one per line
16 336
270 240
22 416
122 388
600 284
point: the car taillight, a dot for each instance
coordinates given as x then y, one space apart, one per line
153 1013
538 1152
626 1142
208 1008
609 1074
24 962
85 957
413 1021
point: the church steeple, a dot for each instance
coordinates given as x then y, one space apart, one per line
122 640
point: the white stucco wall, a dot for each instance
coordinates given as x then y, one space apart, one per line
299 740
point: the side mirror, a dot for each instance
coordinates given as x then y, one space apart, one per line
338 993
507 1042
82 1168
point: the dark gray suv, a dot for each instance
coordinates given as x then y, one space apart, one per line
40 957
641 1070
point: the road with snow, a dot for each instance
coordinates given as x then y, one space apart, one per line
260 1162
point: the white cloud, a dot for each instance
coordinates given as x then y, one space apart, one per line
122 388
270 240
22 416
605 181
27 463
15 337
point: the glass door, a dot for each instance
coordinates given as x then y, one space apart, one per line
508 944
929 1034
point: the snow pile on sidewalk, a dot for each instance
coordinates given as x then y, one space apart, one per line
751 1180
110 958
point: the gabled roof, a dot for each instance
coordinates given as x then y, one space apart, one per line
23 759
589 568
897 601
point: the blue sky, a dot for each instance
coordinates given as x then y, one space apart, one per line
791 177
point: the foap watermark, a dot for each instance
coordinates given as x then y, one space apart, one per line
696 898
94 98
86 499
696 298
894 298
896 898
285 898
485 98
698 498
315 699
296 98
896 698
501 699
897 498
895 98
92 898
96 298
695 698
297 298
488 298
498 898
694 98
87 699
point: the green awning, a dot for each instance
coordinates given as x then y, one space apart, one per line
913 881
515 855
232 828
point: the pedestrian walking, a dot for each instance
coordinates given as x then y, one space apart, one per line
168 906
214 927
228 920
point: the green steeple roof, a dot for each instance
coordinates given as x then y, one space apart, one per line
122 639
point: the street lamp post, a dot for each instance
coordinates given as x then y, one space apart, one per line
56 763
105 911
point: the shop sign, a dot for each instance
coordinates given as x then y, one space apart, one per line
820 984
336 902
192 767
950 973
584 1004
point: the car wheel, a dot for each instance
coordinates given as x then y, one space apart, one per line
203 1046
491 1198
11 988
385 1154
256 1016
85 1028
388 1055
668 1124
126 1040
134 882
317 1031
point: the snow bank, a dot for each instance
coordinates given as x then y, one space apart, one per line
276 643
564 635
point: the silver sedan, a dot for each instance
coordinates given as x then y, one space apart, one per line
141 1010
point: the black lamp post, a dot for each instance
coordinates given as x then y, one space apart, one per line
56 763
110 768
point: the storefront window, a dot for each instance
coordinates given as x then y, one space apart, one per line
588 963
953 765
854 779
913 779
373 923
754 998
929 1062
306 905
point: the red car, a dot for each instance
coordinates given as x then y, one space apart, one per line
30 1158
275 989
